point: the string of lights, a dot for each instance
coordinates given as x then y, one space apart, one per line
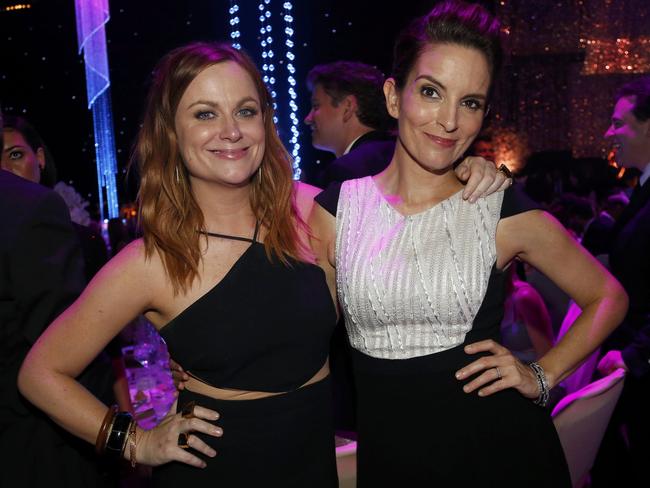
235 33
17 6
289 44
268 64
266 41
92 16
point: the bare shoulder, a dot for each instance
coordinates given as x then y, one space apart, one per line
133 269
537 238
305 195
523 226
132 258
518 234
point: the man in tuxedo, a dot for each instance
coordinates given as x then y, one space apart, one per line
348 118
629 346
41 273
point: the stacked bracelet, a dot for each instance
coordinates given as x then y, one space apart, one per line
542 399
132 439
118 434
102 436
117 428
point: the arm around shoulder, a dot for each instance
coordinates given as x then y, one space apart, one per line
305 195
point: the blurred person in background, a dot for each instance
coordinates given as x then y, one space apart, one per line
41 273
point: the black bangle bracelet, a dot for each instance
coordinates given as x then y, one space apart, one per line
119 434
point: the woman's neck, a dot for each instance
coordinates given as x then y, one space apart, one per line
411 188
225 210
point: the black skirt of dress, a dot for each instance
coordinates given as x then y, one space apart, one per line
416 427
285 440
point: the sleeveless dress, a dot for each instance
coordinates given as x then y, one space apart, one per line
264 327
414 290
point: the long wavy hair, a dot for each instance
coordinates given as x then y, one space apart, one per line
169 215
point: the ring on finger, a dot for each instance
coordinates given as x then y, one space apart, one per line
498 371
184 440
505 170
188 410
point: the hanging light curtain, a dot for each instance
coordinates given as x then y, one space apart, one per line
92 16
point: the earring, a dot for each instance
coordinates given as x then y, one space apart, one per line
178 179
259 176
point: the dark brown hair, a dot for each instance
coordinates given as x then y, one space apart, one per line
450 22
35 141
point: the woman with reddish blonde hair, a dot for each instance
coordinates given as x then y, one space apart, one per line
225 273
169 213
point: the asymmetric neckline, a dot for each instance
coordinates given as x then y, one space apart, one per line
213 288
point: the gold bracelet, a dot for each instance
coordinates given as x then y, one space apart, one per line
133 443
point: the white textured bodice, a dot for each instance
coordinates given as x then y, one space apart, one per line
411 285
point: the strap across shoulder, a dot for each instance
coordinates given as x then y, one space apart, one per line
234 238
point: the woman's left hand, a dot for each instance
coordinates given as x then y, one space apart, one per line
481 178
501 370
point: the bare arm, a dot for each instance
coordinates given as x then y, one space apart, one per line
117 294
537 238
112 299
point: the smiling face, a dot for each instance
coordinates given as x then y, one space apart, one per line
441 107
220 127
19 158
629 135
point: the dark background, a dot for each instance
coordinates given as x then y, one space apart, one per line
543 95
42 75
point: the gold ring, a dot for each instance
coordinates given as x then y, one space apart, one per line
504 169
188 410
183 440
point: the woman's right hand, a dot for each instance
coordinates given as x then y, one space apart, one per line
178 375
481 177
160 445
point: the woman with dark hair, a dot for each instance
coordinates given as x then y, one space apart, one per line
420 278
25 154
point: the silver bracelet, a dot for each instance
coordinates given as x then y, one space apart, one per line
542 399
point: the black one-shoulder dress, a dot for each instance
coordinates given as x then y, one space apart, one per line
264 327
